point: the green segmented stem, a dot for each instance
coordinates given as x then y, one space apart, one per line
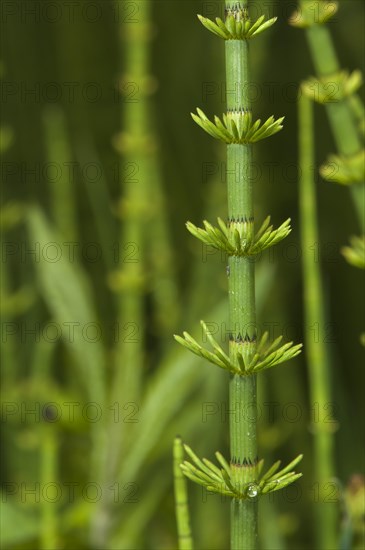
339 113
181 499
237 74
244 530
129 353
239 182
128 357
242 311
239 479
318 362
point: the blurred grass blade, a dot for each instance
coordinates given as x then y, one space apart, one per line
68 297
100 201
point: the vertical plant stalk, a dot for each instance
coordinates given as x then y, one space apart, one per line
181 499
128 281
49 475
326 513
242 310
133 147
143 201
240 478
339 110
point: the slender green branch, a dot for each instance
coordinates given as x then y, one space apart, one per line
181 499
326 513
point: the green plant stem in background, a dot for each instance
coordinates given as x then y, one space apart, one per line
128 361
342 121
325 512
181 499
49 476
129 280
143 197
133 208
242 311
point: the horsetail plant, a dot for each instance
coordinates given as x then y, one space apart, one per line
336 90
242 477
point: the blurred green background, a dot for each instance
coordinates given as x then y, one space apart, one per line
101 167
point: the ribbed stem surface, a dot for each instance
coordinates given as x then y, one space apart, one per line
242 313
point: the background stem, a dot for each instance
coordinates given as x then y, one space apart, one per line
341 119
133 145
317 355
49 476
